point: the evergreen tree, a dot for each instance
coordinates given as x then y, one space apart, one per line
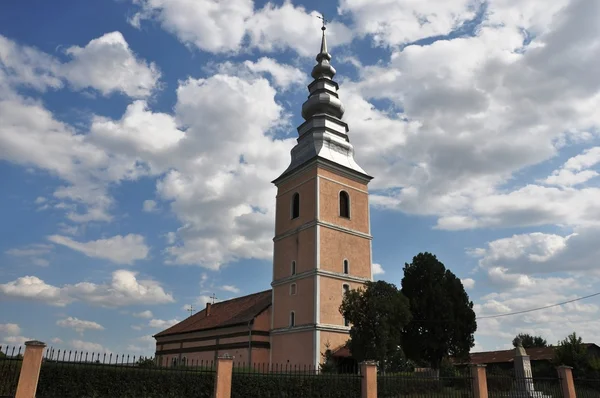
377 315
443 320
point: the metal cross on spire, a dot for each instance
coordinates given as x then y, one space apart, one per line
213 298
322 18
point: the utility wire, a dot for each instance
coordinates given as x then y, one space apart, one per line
538 308
509 313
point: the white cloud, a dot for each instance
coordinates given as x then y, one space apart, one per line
17 340
118 249
87 346
574 171
553 323
537 253
108 65
124 289
79 325
377 269
162 324
468 283
143 314
56 340
34 253
230 288
463 169
224 26
283 76
401 21
12 329
149 206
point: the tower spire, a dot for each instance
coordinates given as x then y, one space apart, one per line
323 135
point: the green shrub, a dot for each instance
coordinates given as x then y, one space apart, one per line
107 381
264 385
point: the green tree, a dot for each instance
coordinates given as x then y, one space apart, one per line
377 315
529 341
144 362
443 318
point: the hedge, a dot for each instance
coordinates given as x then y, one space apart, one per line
391 386
107 381
264 385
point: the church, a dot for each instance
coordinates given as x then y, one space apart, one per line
322 248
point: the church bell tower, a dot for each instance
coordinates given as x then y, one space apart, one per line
322 243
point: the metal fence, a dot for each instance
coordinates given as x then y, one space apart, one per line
10 368
287 381
77 374
587 388
510 386
424 384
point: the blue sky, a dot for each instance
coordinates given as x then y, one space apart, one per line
138 140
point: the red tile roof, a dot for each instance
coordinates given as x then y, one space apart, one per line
232 312
535 354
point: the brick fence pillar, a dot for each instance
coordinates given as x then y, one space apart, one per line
565 374
30 369
368 370
479 381
223 377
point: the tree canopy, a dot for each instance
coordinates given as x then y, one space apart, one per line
529 341
443 320
377 315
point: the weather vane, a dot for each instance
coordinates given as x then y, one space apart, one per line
322 18
213 297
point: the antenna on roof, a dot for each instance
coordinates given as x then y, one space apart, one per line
213 298
191 310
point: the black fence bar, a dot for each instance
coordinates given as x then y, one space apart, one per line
424 384
507 386
587 388
77 374
261 380
11 358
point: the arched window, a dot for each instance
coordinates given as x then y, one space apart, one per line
293 289
346 267
293 268
296 205
174 361
344 204
292 319
346 289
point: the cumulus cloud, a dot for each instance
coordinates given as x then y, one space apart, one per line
552 323
12 329
468 283
118 249
79 325
123 289
162 324
149 206
403 21
17 340
230 288
105 64
143 314
225 26
81 345
34 253
538 253
575 170
108 65
513 99
377 269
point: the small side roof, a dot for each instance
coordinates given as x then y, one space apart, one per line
232 312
